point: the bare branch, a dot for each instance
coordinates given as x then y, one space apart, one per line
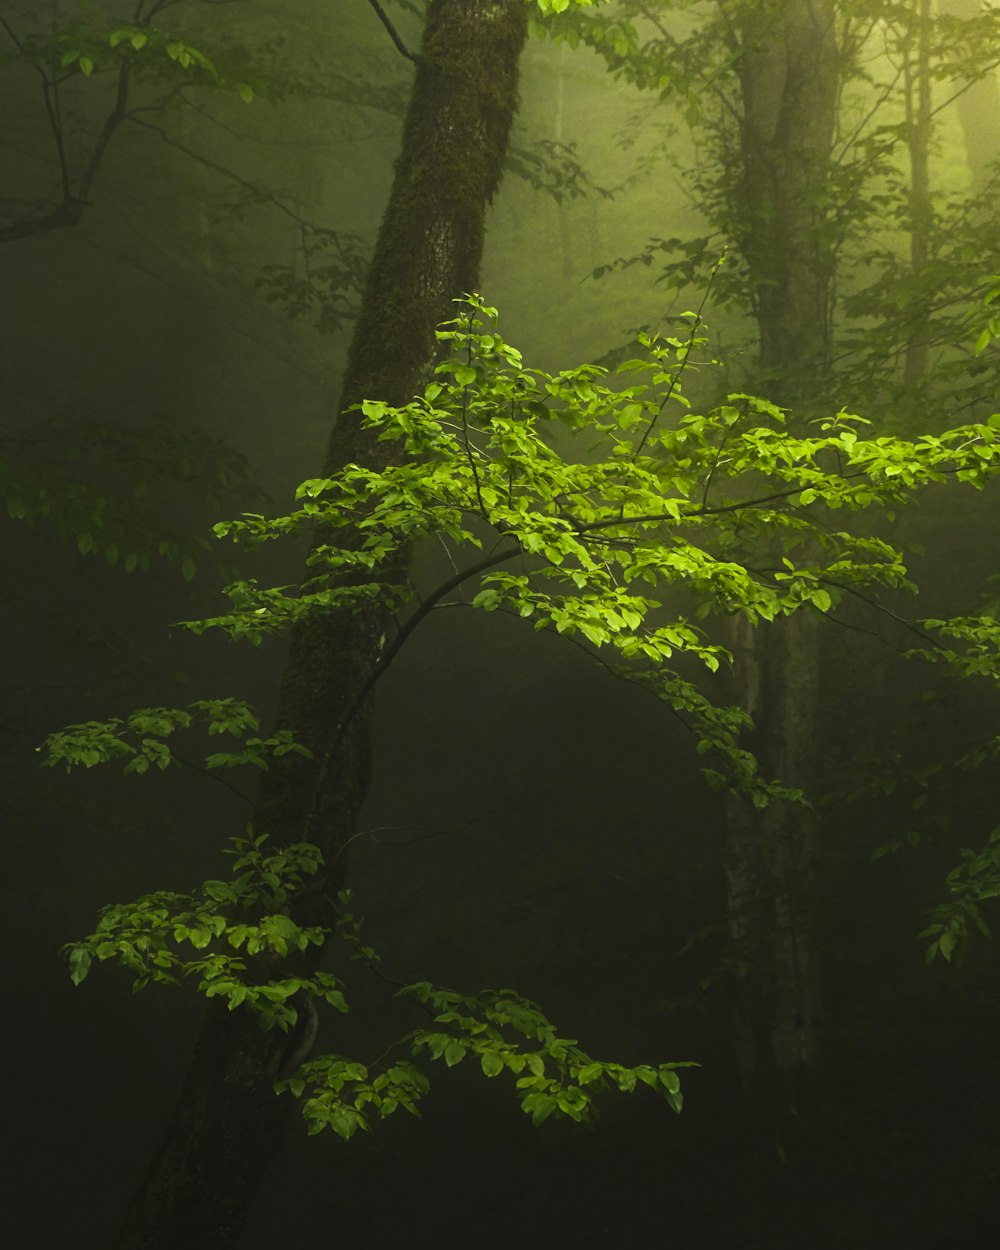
401 47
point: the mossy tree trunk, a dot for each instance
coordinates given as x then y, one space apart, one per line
228 1122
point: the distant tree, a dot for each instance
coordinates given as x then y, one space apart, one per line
814 122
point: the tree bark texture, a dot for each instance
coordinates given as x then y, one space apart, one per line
789 68
789 75
228 1122
771 860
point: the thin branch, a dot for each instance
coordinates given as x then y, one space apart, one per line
264 197
432 600
5 25
879 607
676 377
373 834
390 653
401 47
212 775
111 124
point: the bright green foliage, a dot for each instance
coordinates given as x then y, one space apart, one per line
626 522
240 932
560 6
342 1093
979 638
147 938
140 738
553 1076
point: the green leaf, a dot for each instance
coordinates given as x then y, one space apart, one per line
454 1053
670 1081
542 1109
492 1063
488 600
79 963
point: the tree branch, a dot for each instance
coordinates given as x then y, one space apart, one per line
390 653
401 47
426 607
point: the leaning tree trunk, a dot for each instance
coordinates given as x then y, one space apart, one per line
228 1122
789 67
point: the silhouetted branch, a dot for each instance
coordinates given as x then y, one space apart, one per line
401 47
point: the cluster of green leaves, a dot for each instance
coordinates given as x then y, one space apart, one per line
242 935
560 6
975 647
628 518
500 1028
228 923
991 302
554 1076
973 881
341 1094
140 738
148 51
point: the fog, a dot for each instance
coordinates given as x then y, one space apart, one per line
184 258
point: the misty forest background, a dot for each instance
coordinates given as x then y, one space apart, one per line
184 257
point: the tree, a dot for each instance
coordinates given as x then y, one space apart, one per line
791 184
391 583
481 469
227 1123
140 53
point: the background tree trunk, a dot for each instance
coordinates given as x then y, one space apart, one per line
789 75
978 106
917 87
228 1122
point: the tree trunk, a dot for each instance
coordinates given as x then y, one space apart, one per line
789 74
978 106
917 95
228 1122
